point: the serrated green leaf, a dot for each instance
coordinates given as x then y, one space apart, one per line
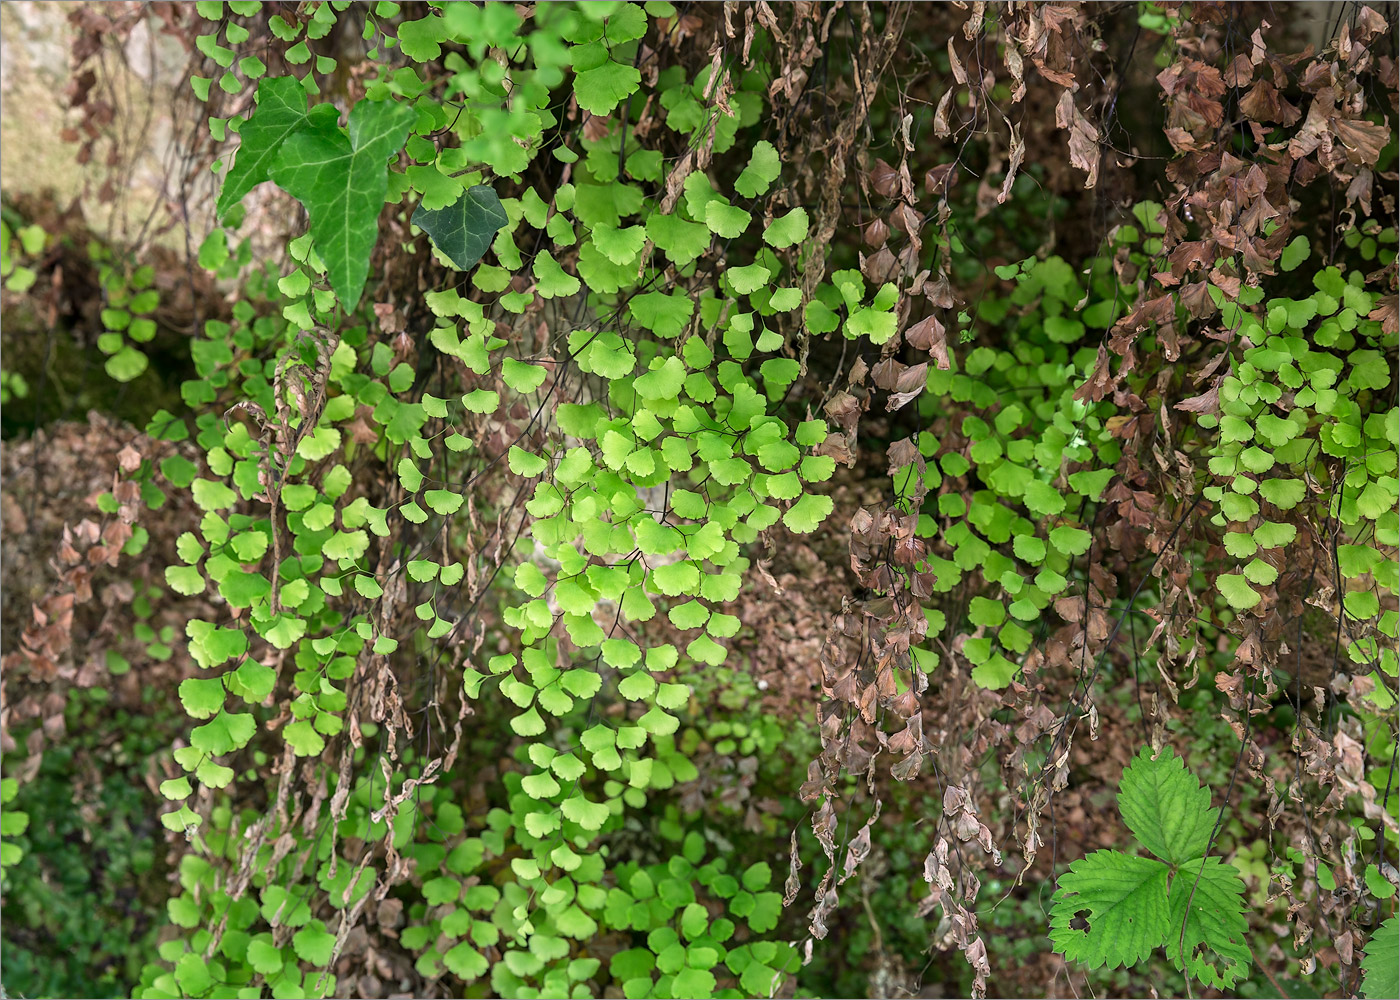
1165 806
1381 965
1207 927
1126 903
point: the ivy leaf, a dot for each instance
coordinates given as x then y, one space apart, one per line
281 111
342 180
463 231
1126 903
1379 967
1214 924
1166 807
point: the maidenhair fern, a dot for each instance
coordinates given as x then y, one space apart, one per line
532 490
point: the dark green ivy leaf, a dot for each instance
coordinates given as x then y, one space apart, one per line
463 230
342 180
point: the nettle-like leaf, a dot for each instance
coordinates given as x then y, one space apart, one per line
1207 925
463 231
1381 965
1110 909
1114 909
341 178
1165 807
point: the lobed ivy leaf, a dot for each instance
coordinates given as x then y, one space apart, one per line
281 111
342 179
463 231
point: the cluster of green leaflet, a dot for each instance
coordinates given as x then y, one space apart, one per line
660 441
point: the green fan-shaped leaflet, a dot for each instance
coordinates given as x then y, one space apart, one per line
1127 917
1165 807
342 179
463 230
